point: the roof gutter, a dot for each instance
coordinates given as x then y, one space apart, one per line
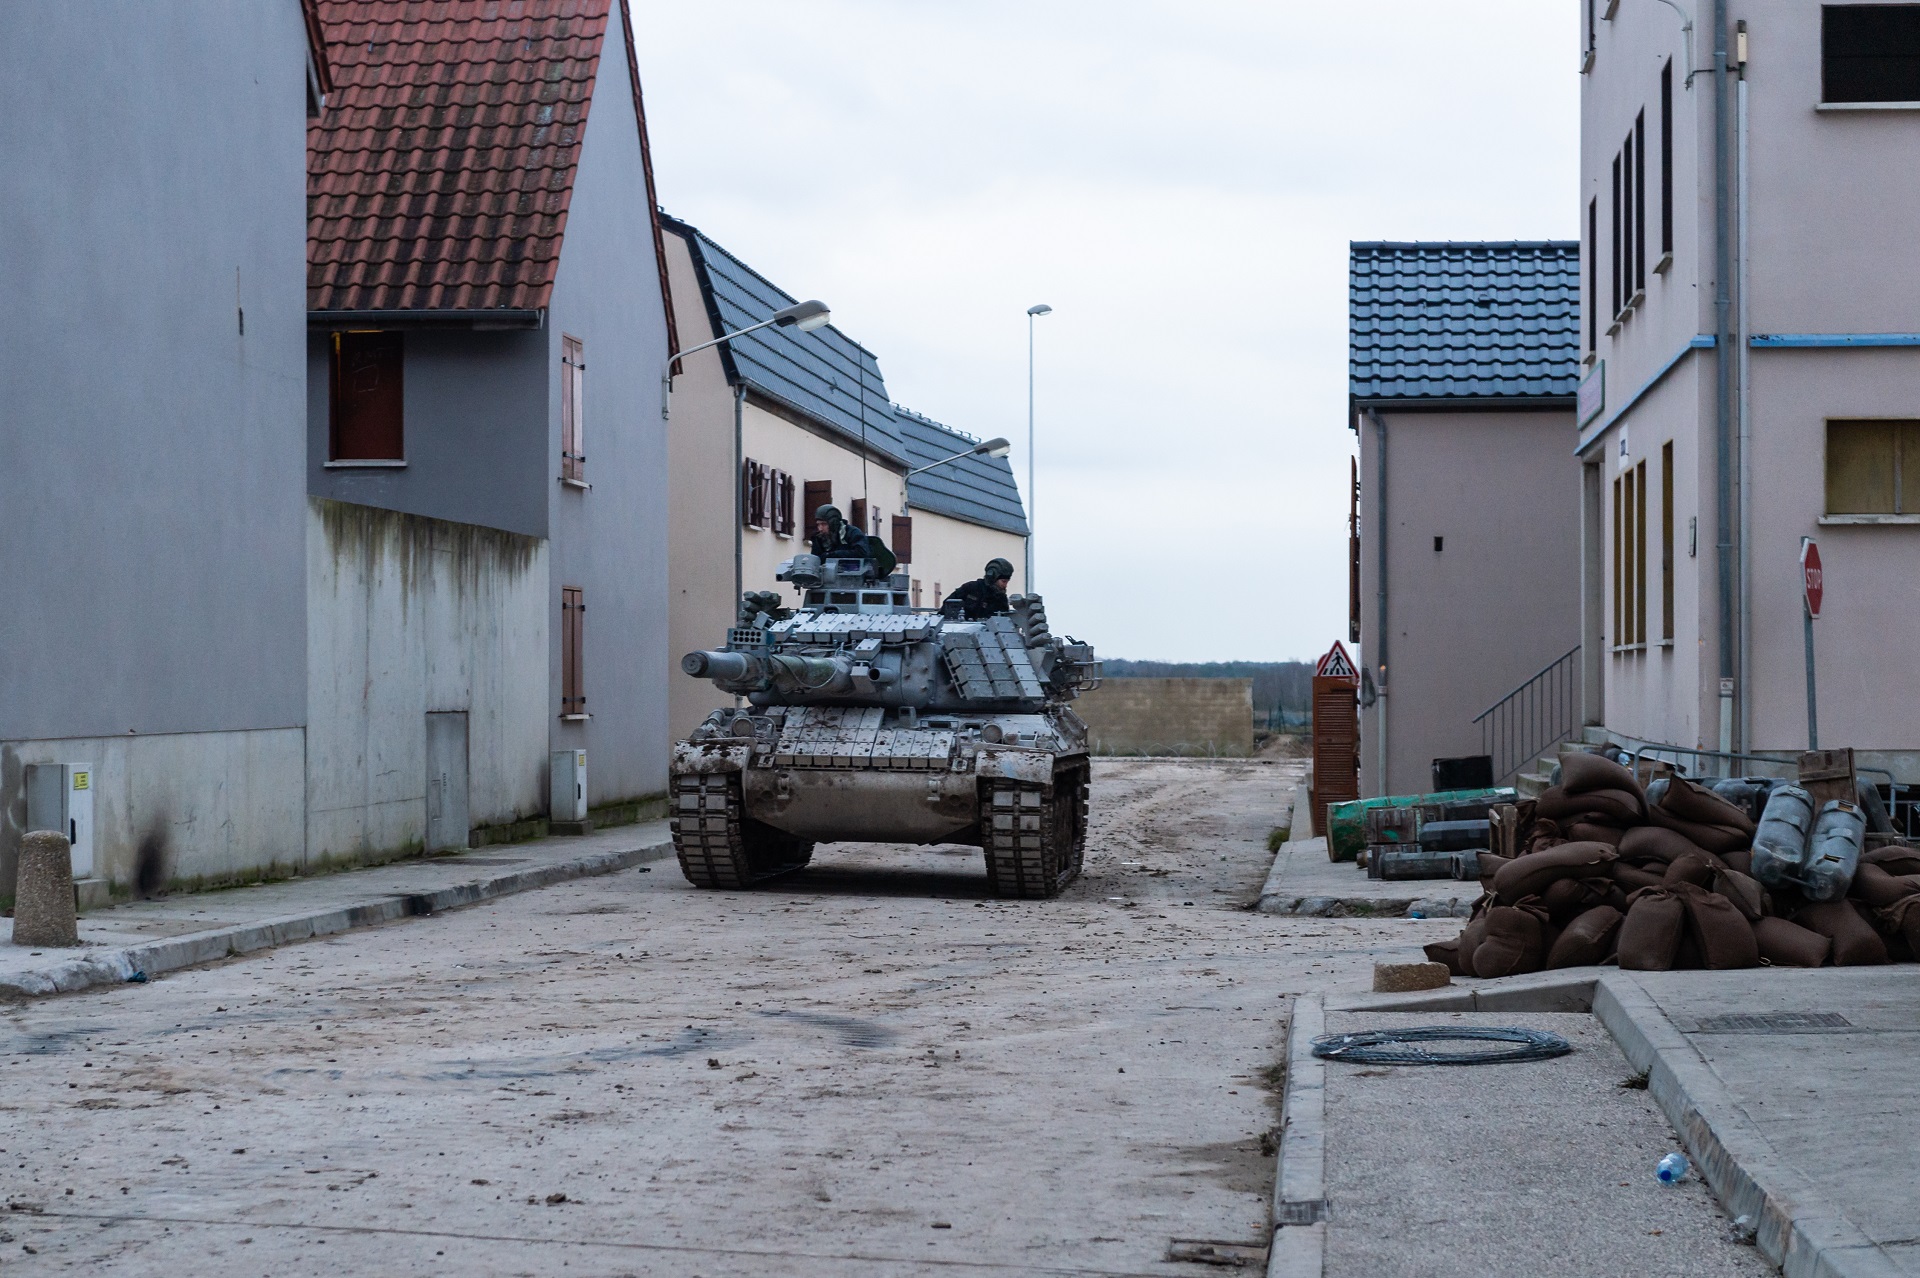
1465 403
497 317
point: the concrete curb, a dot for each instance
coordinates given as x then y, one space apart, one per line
1361 907
1797 1229
117 966
1299 1210
1565 990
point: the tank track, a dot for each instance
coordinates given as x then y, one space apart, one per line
1034 836
718 845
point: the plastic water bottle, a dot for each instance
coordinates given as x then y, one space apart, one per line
1672 1169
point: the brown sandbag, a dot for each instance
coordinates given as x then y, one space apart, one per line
1471 936
1633 878
1489 866
1589 832
1567 898
1656 843
1516 941
1582 773
1606 807
1894 858
1692 802
1718 839
1693 868
1530 875
1741 861
1587 940
1650 935
1446 953
1855 943
1722 932
1743 890
1543 834
1785 944
1878 888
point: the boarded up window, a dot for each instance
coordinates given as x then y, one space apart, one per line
573 399
782 487
1637 491
1869 464
754 483
1619 563
902 539
573 623
367 422
1870 53
1666 540
818 493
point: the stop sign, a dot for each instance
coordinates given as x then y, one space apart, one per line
1813 578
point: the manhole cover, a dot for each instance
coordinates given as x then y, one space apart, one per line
1774 1023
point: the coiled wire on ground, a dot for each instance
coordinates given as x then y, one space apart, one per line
1403 1046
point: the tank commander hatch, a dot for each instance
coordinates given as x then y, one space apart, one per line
985 597
834 537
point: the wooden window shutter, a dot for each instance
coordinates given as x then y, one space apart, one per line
783 503
1619 566
817 493
1666 540
573 621
857 514
753 503
367 408
573 393
902 529
1640 554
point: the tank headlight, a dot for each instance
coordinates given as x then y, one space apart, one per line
992 735
743 726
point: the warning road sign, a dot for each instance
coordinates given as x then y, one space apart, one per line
1336 664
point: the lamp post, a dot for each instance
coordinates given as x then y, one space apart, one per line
804 316
985 448
1033 312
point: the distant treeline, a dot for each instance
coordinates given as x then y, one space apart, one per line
1277 685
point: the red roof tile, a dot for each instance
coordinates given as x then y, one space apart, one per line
439 176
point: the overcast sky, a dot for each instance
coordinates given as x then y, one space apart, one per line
1179 181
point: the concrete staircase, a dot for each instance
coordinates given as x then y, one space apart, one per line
1531 781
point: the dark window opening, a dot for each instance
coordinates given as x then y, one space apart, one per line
1593 277
366 417
1639 144
902 529
1618 298
1666 159
1870 53
1439 544
1666 540
818 493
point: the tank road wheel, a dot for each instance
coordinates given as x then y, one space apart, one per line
718 845
1027 839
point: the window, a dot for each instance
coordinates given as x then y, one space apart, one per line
857 514
1593 279
1667 542
818 493
1619 298
1638 145
782 487
1868 466
573 393
1619 565
366 417
1666 163
1870 53
916 592
573 620
902 539
1586 53
1630 557
753 494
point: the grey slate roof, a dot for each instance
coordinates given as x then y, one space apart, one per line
823 374
979 490
1464 321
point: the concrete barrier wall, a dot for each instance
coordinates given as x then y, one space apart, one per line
1170 716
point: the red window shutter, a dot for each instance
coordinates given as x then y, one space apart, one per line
573 380
819 492
857 514
573 615
367 401
903 538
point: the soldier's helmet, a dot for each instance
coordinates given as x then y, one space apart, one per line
831 514
999 570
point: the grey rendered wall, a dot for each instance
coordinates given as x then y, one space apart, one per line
151 496
475 425
612 541
1472 621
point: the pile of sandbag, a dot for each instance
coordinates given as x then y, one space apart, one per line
1661 877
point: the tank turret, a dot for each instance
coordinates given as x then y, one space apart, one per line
869 720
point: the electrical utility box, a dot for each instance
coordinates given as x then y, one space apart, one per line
60 797
568 798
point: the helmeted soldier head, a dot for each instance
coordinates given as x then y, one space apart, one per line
827 518
999 571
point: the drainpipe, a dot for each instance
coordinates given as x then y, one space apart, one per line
1724 369
739 496
1744 735
1379 659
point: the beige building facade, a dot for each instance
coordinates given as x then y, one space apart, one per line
766 427
1751 375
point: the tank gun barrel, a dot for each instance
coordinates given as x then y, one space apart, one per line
729 667
746 672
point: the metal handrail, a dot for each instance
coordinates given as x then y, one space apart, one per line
1539 712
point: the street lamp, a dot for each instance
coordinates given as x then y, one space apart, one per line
1032 313
985 448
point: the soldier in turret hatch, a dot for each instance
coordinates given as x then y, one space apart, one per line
987 596
834 537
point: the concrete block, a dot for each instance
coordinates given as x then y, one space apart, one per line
1402 978
43 913
92 894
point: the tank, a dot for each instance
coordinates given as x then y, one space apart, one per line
859 718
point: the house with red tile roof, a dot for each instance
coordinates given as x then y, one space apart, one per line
486 449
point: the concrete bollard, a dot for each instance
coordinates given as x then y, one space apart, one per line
43 893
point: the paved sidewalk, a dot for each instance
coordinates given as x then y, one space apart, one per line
1303 881
146 938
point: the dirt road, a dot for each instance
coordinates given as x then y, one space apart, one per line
871 1067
